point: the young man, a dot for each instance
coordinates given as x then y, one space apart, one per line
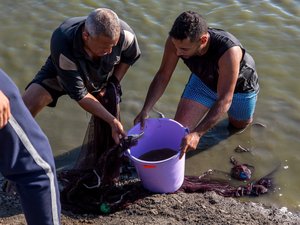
86 53
223 79
26 157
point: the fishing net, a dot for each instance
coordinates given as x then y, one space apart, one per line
103 180
105 199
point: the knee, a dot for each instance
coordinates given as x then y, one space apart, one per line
240 124
36 98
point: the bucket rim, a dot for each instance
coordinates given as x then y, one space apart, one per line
164 119
161 119
153 162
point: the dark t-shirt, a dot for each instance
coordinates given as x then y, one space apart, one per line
206 66
77 73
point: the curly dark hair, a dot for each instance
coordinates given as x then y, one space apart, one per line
190 25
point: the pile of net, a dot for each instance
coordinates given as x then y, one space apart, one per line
104 181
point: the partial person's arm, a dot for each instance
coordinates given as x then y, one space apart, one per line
229 65
160 81
93 106
4 110
120 71
73 84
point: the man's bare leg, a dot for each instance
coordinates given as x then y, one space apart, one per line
36 98
239 124
190 113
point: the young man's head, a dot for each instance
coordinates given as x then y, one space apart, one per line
101 32
189 34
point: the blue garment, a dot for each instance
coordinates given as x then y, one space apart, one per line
26 159
242 106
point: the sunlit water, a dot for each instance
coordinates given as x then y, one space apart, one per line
269 30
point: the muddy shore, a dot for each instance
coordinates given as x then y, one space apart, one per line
180 208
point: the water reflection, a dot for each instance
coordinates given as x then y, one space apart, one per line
269 30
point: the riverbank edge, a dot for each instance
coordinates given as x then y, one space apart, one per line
179 208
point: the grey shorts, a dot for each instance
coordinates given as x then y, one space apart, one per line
47 78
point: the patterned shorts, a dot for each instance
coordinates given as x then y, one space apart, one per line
242 106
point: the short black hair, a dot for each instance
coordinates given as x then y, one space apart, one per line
190 25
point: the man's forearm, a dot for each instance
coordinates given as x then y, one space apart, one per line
90 104
213 116
156 90
120 71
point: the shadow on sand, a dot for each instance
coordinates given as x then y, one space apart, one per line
67 160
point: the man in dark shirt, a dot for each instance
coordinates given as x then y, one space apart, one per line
86 53
223 78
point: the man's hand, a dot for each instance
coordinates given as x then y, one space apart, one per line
189 142
4 110
141 118
117 130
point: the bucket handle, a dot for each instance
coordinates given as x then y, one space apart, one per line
187 130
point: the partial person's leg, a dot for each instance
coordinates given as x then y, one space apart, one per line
239 124
36 98
33 170
195 102
242 109
190 113
43 90
26 159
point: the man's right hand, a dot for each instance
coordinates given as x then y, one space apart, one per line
4 110
117 130
140 118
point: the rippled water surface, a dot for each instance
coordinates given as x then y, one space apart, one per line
269 30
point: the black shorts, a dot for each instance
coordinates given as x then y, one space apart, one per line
47 78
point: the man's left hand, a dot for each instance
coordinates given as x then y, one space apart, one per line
189 142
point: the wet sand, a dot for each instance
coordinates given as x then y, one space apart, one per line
180 208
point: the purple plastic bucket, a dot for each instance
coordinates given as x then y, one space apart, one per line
165 176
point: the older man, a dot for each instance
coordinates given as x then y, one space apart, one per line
86 53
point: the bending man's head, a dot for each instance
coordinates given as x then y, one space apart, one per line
188 25
101 32
103 21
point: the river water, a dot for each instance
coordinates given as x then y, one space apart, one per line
268 29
